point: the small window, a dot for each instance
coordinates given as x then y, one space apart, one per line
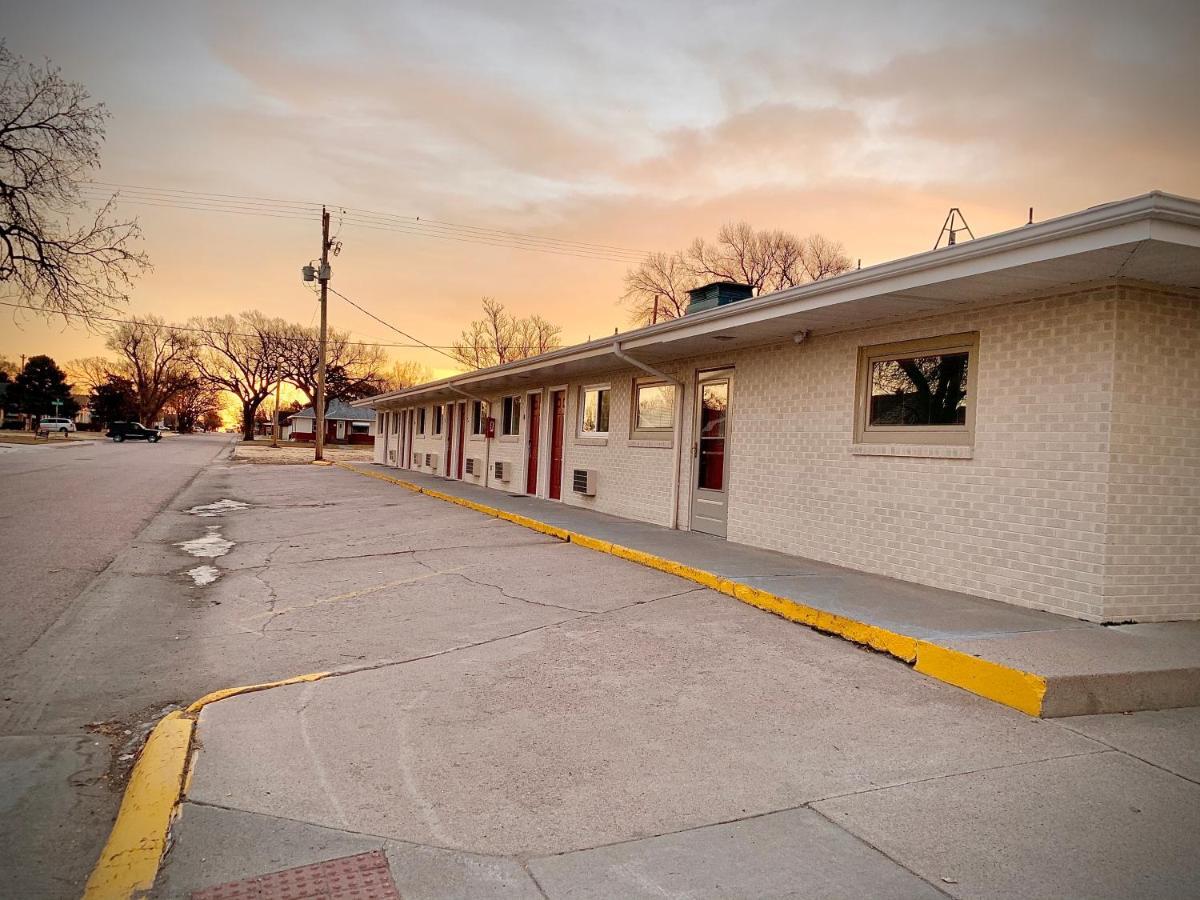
918 392
593 411
360 428
653 410
511 416
437 419
421 420
477 419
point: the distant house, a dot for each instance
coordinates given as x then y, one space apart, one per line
343 424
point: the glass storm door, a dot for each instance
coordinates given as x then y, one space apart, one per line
710 450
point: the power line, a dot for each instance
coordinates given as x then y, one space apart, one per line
311 206
195 330
391 326
412 225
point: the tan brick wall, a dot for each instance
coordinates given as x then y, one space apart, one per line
1154 489
1022 520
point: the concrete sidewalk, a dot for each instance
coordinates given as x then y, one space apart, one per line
1088 668
525 718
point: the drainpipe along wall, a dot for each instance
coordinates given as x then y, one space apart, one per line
678 444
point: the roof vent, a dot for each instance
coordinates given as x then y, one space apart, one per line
718 293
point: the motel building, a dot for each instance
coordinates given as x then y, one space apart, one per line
1015 417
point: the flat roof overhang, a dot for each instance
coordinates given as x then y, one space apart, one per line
1152 238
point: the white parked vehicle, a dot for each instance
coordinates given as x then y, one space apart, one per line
49 423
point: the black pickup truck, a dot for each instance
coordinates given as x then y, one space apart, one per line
132 431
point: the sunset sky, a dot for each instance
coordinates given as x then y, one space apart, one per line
640 124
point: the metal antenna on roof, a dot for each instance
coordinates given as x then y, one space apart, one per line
949 230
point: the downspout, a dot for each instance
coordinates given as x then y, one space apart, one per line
486 407
678 443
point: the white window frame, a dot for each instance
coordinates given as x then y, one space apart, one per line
583 392
478 419
666 434
439 420
422 420
943 435
510 416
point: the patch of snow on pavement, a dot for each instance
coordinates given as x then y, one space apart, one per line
211 510
209 546
203 575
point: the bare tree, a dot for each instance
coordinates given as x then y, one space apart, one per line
405 374
765 260
194 404
740 253
156 359
823 258
50 137
91 371
500 337
242 355
353 369
658 283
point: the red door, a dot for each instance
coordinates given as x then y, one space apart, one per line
559 399
535 431
461 419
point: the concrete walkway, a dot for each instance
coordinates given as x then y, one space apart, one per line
1088 668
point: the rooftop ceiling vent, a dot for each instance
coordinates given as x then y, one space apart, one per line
718 293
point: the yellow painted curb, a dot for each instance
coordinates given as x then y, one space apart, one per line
198 705
129 862
1020 690
1012 687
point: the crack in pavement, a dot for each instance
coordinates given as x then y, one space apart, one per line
508 596
274 614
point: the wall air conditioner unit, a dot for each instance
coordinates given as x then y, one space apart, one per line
392 456
431 460
503 471
583 481
472 466
416 459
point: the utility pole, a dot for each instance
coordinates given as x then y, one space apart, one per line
654 321
323 277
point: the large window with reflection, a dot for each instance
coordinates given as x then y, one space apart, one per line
593 410
653 410
918 392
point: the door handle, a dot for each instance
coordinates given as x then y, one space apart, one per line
695 450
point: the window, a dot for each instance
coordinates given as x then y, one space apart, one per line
653 410
593 411
511 416
917 392
478 424
421 420
360 428
437 419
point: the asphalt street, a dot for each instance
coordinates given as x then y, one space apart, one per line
68 510
65 513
